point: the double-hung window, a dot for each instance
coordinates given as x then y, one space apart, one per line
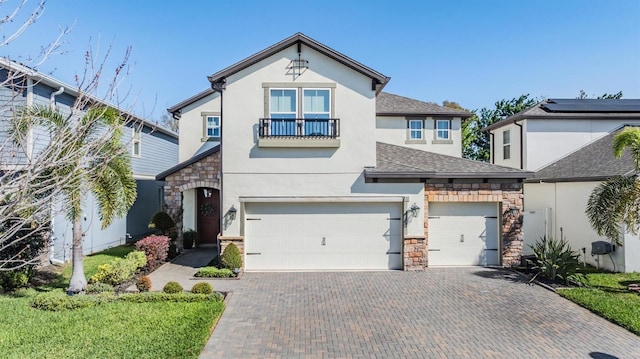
416 130
506 144
316 111
283 110
212 126
443 129
136 141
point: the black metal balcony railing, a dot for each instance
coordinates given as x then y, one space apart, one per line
299 128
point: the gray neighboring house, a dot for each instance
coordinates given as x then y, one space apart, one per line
153 150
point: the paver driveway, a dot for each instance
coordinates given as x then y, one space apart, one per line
440 313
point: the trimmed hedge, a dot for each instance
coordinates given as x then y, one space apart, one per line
172 288
95 288
202 288
231 258
144 283
156 249
120 270
213 272
59 301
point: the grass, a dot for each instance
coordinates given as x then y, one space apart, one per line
606 294
114 330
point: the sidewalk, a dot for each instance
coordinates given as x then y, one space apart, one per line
182 268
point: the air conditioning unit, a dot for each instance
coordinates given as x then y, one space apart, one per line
601 247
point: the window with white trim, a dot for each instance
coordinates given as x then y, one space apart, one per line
212 126
416 128
506 144
443 129
283 110
316 111
136 141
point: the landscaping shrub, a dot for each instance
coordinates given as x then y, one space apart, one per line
120 270
213 272
156 249
144 283
57 301
554 259
231 258
95 288
202 288
172 288
162 222
189 239
26 245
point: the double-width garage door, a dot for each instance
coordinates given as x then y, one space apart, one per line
323 236
463 234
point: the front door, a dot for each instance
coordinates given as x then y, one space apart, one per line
208 219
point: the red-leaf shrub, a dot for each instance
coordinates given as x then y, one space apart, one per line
156 249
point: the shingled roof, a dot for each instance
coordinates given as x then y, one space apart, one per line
542 110
388 104
401 162
593 162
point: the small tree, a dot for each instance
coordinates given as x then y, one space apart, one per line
231 257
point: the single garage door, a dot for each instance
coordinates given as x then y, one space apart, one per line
323 236
463 234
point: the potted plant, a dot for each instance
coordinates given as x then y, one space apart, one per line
189 239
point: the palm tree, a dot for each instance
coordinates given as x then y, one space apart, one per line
89 157
616 201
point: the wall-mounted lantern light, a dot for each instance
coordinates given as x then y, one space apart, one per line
414 210
232 213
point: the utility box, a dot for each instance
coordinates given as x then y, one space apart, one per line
601 247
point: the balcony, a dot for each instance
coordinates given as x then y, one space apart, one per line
299 132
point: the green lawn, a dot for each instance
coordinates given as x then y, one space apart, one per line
607 296
113 330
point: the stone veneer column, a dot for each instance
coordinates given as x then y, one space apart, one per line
510 195
414 253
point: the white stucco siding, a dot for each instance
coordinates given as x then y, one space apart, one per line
191 125
497 153
631 252
568 201
244 105
319 187
550 140
393 130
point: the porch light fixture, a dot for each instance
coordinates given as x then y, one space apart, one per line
232 213
414 210
207 192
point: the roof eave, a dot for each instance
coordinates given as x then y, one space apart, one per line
164 174
445 175
463 115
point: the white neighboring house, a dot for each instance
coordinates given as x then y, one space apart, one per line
153 149
297 155
569 144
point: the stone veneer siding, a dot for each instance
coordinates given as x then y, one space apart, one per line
509 195
204 173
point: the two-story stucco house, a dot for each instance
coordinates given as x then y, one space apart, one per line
297 155
569 143
153 150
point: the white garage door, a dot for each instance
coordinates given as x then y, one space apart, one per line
323 236
463 234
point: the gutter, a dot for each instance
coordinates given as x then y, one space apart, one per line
52 98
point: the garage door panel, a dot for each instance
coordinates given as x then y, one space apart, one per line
321 236
463 234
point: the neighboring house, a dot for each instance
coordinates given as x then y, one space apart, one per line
556 199
554 128
153 149
569 144
297 155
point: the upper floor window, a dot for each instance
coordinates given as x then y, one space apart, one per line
506 144
283 103
316 104
443 129
136 141
415 129
212 126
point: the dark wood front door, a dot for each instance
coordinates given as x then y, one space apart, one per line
208 210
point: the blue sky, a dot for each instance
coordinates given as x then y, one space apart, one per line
472 52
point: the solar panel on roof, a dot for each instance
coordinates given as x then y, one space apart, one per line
592 105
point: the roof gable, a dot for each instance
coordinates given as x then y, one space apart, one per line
378 79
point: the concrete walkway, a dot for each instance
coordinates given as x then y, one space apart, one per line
440 313
182 268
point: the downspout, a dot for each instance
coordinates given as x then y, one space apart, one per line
52 259
521 144
52 99
493 148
